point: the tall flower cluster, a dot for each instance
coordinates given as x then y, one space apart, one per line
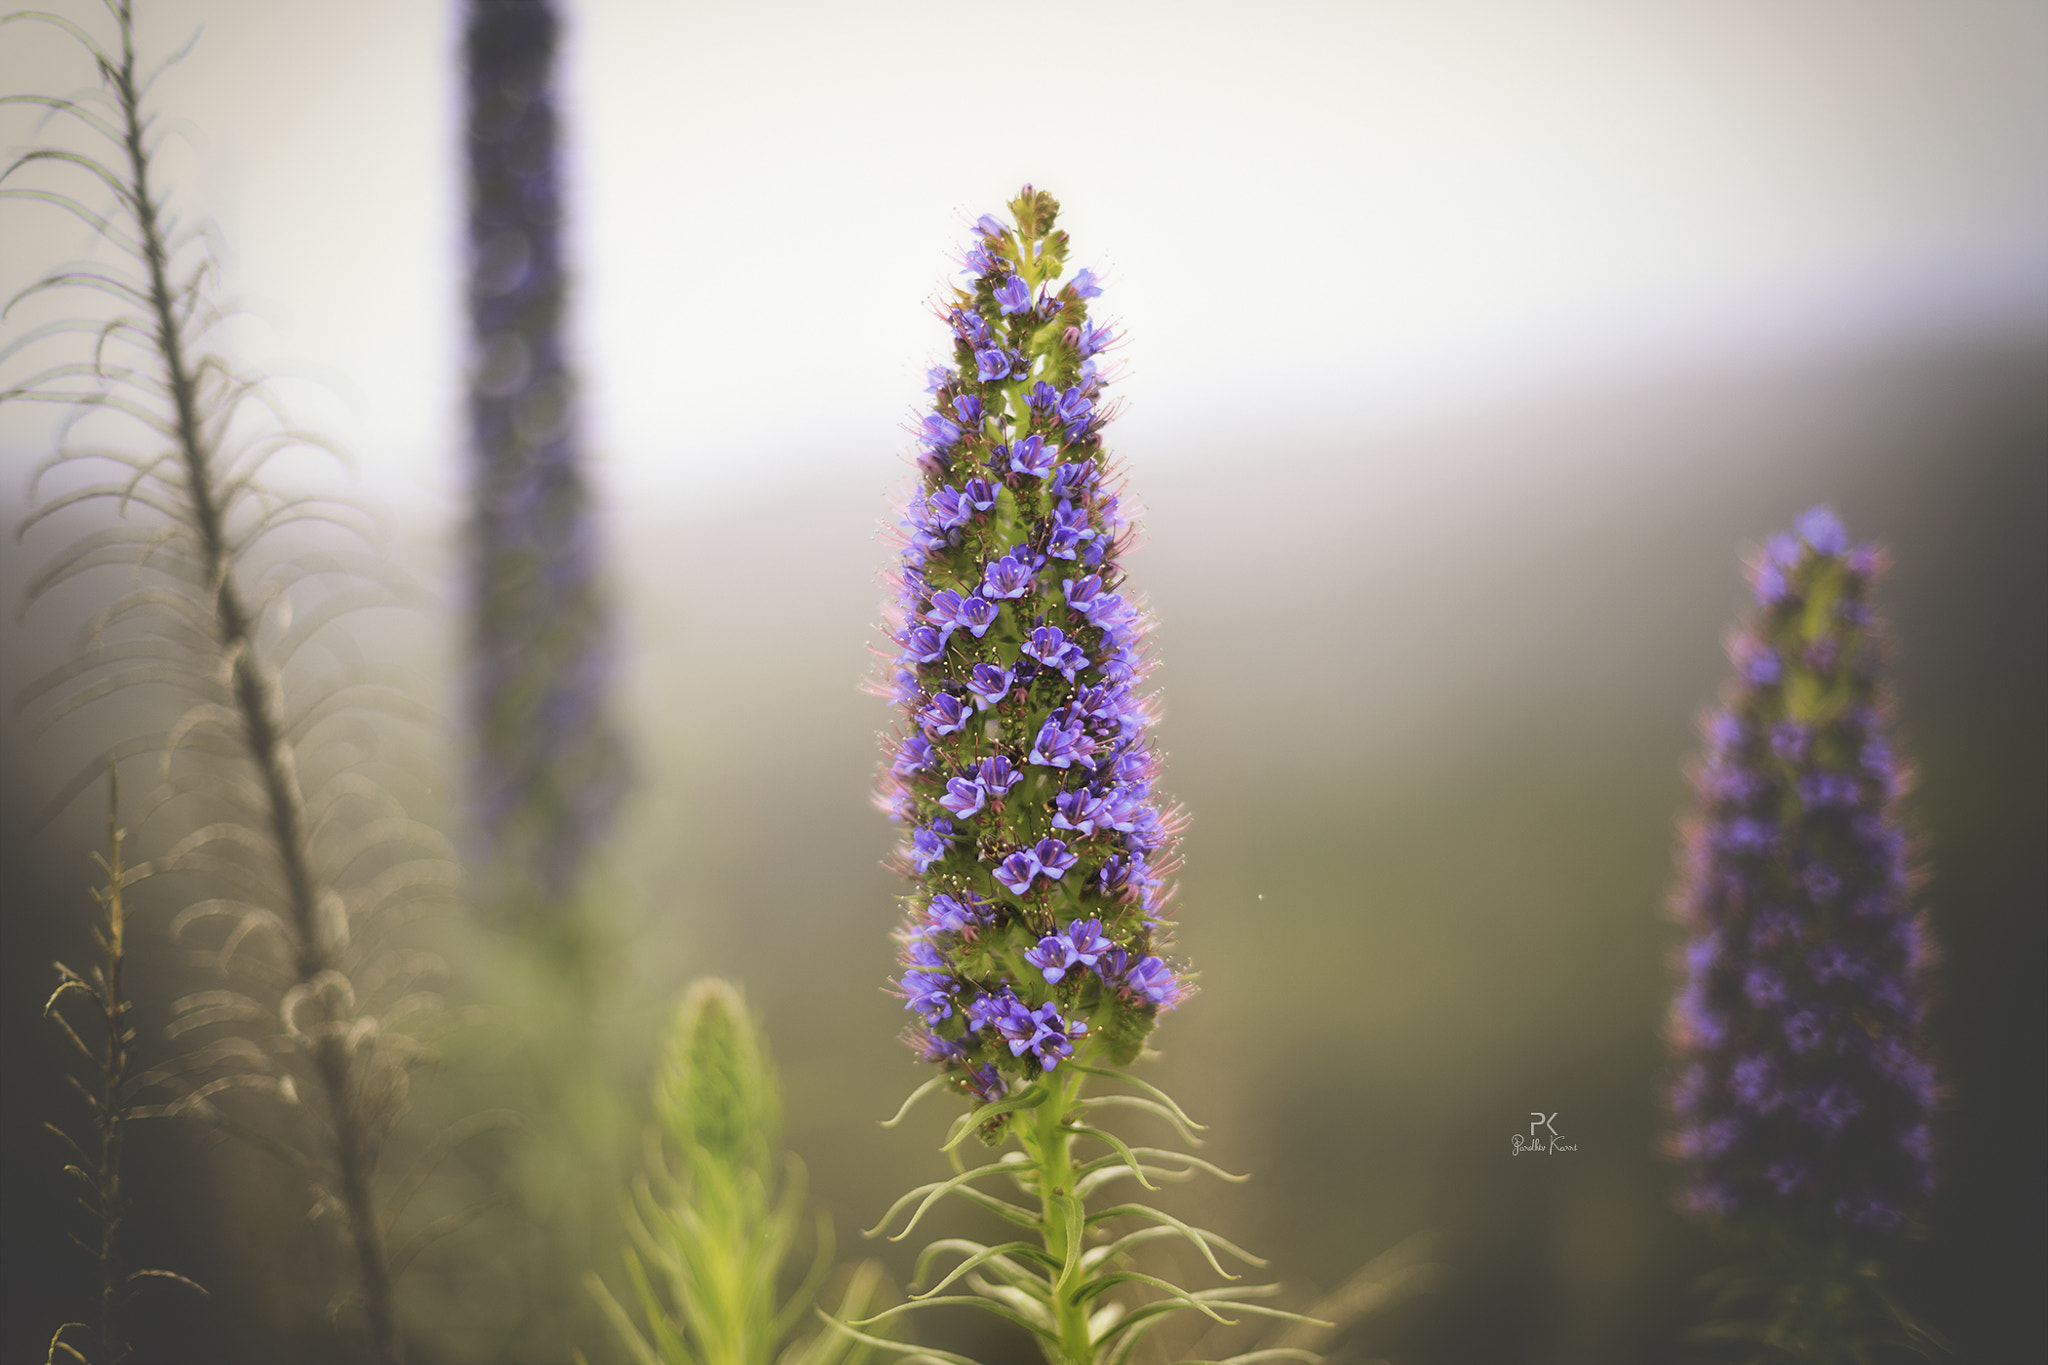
1804 1090
549 770
1022 771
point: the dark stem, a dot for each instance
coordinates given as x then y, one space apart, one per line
113 1077
257 702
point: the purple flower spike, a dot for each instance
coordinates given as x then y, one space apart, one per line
1025 779
1014 296
1800 1017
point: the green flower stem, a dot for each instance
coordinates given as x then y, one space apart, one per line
1049 1142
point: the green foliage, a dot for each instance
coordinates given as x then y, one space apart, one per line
1074 1285
109 1093
1814 1304
711 1225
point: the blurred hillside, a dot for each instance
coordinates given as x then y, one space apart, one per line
1428 709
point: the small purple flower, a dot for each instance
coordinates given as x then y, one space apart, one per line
1050 646
1033 456
968 406
992 363
1762 986
997 774
914 757
1152 981
987 1084
1758 662
1053 956
1819 528
1821 882
1754 1082
933 1048
1790 740
989 684
1803 1031
1074 408
1014 295
931 995
929 843
1016 871
1043 397
948 510
971 326
964 796
988 1010
944 715
1061 744
923 644
977 614
1011 575
1833 962
939 433
950 914
1787 1175
1069 528
979 260
1083 284
1092 339
1829 1108
1084 938
1078 810
1054 858
1042 1033
943 611
979 494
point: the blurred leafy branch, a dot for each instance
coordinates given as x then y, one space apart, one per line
110 1096
276 776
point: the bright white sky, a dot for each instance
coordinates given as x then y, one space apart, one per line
1312 216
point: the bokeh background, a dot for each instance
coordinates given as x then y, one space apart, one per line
1468 346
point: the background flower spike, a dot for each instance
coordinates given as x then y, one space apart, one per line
1803 1094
